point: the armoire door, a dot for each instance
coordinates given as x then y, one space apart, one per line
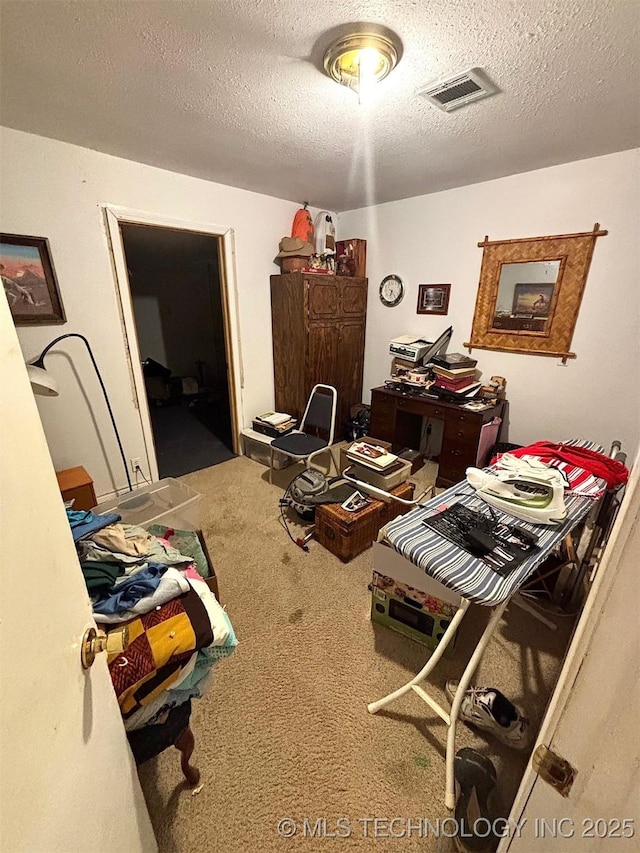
323 357
353 297
323 298
351 363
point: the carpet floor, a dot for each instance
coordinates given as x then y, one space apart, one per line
285 733
185 442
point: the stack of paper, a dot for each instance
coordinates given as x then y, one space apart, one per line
273 418
274 424
371 455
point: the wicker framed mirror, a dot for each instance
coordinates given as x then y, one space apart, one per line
530 293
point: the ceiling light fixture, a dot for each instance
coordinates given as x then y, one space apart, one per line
361 60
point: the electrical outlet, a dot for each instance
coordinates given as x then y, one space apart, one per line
135 464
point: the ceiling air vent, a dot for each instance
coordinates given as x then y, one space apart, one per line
459 90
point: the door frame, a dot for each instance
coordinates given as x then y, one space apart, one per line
114 217
605 579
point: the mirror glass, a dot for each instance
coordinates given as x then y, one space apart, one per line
526 296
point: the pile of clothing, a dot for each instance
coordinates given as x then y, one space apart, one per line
154 581
587 470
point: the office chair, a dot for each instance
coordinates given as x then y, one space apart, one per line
319 417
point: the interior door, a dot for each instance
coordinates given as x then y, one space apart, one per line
68 779
592 721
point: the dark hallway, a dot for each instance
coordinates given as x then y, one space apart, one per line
177 301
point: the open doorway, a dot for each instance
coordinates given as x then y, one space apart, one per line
176 297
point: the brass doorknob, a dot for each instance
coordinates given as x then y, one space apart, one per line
94 641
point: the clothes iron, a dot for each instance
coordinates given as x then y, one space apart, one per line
527 490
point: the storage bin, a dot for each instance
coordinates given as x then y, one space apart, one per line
167 502
379 479
257 447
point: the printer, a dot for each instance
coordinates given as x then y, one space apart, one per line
417 350
410 348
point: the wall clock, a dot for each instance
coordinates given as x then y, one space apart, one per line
391 290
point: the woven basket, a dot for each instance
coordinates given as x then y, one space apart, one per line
347 534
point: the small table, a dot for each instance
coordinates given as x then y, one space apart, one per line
76 485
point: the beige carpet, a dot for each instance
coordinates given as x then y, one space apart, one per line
285 732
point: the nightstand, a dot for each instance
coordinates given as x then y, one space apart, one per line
75 484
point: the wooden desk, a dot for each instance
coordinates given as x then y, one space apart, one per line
397 418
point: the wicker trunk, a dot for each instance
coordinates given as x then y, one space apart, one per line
347 534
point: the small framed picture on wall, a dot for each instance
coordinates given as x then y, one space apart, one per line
433 298
29 281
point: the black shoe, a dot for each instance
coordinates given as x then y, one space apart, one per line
475 782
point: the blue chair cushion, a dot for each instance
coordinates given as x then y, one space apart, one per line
299 444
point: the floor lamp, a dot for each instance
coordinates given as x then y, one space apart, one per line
44 384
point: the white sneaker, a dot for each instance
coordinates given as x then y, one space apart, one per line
490 710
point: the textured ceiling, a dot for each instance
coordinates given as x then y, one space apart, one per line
232 91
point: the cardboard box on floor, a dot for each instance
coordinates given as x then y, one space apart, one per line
406 600
345 462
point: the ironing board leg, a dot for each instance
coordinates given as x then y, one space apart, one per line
449 799
372 707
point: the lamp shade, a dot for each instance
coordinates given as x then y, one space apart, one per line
42 382
45 384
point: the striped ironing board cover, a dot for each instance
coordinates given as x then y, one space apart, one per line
462 572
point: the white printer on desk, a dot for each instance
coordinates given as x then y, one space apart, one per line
417 350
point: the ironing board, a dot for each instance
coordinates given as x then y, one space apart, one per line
472 581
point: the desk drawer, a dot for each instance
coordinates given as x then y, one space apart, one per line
383 402
383 417
406 404
455 458
420 406
461 431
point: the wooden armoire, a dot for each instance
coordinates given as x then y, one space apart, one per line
318 324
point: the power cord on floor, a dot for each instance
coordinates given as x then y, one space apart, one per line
284 502
283 520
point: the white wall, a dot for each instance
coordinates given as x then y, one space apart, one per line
433 239
55 190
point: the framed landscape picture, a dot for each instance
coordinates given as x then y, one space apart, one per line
433 298
29 281
532 300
